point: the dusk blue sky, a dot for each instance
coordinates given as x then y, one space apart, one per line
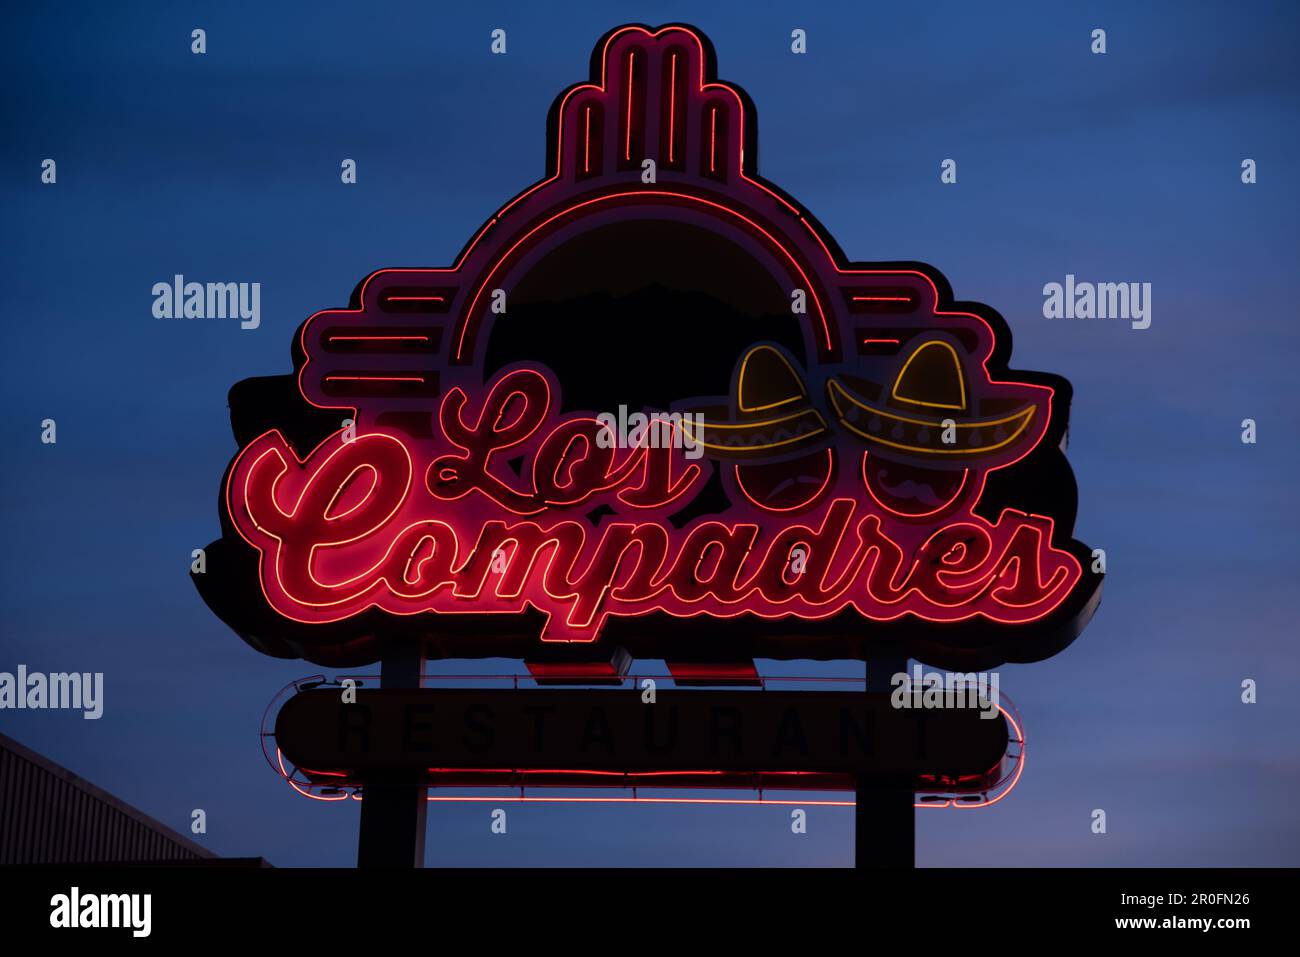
1122 167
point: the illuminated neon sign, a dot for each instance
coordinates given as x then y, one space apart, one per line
845 462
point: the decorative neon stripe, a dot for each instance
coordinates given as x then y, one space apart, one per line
627 148
713 139
378 339
373 378
672 107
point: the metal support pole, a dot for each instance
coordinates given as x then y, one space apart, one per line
884 818
394 811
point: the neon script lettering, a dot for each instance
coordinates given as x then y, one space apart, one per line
510 506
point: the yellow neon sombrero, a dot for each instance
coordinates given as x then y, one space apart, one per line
770 412
929 411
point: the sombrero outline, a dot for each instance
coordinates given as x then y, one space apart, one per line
765 380
932 376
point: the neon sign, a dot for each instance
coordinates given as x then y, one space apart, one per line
872 475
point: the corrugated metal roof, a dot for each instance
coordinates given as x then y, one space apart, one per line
48 815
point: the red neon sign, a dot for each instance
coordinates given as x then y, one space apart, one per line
446 526
876 474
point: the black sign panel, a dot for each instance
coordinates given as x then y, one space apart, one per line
705 738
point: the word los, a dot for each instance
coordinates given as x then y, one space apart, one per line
58 690
410 526
74 909
1106 300
213 300
950 690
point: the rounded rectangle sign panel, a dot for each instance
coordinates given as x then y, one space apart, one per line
706 738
